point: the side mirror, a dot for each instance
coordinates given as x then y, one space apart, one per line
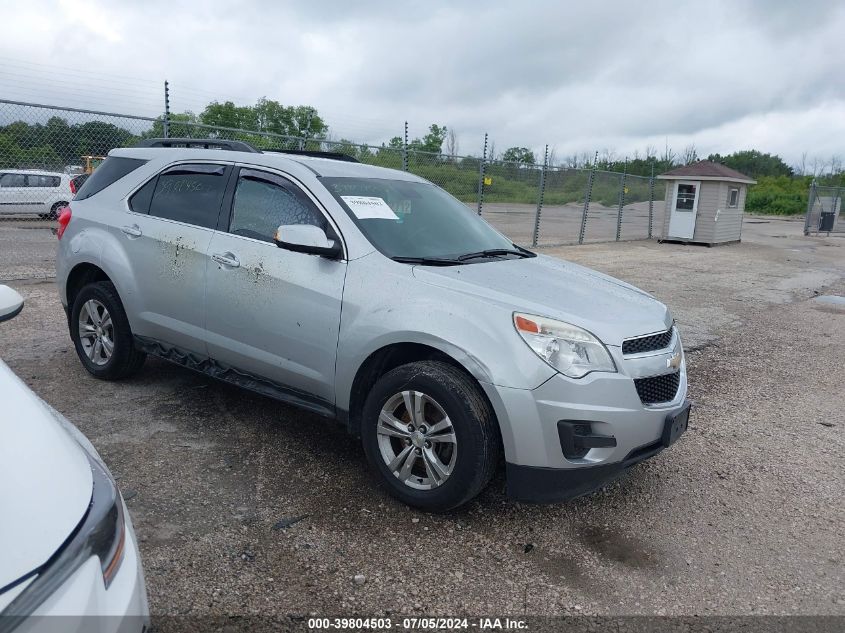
306 238
11 303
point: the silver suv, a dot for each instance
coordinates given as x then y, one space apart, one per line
371 296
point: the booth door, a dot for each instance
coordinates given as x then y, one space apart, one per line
684 210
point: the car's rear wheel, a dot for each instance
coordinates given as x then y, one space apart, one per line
430 434
101 333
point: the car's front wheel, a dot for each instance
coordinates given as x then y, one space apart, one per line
101 334
430 434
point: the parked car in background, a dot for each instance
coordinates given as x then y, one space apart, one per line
34 192
372 296
67 546
77 181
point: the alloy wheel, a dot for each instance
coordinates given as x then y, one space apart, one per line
96 332
417 440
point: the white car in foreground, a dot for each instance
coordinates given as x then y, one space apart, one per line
67 547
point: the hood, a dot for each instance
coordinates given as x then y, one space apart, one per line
45 482
546 286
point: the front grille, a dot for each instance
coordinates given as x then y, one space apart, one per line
649 343
658 388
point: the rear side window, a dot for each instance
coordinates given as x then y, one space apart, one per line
189 193
43 181
113 169
140 200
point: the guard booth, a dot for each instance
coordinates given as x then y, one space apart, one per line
704 203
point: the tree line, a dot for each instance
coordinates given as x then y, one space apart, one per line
58 143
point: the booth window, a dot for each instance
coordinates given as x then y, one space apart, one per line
733 197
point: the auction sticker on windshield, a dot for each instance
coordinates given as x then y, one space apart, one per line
367 208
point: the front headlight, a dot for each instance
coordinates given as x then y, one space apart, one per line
108 525
571 350
100 533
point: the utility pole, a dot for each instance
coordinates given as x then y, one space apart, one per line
481 176
166 109
405 149
540 197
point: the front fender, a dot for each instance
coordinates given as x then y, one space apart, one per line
398 308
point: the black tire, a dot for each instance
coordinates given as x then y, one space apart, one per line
125 360
54 211
474 423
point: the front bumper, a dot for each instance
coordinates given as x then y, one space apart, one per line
545 485
610 407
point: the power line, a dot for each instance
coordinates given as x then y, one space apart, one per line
15 80
181 92
78 71
66 84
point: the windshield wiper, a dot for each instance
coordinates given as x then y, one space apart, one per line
495 252
428 261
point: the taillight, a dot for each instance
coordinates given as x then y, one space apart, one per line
73 186
64 220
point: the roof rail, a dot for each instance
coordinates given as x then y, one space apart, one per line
238 146
315 154
206 143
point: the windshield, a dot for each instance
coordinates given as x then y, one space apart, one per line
415 220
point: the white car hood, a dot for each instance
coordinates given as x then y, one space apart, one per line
45 482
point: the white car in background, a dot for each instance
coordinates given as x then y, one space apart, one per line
67 546
30 191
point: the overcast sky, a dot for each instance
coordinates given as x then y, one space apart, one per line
580 76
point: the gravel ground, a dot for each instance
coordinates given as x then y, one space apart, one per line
246 506
27 250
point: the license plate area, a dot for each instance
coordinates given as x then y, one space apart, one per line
675 425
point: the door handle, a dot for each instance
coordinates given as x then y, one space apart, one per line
132 231
226 259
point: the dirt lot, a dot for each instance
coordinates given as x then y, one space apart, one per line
744 515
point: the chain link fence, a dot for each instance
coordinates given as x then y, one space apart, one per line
824 210
46 152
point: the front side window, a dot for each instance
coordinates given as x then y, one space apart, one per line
13 180
733 197
404 219
263 202
190 193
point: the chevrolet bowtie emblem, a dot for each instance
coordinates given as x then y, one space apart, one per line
674 362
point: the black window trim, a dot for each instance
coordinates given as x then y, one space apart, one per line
333 230
227 165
